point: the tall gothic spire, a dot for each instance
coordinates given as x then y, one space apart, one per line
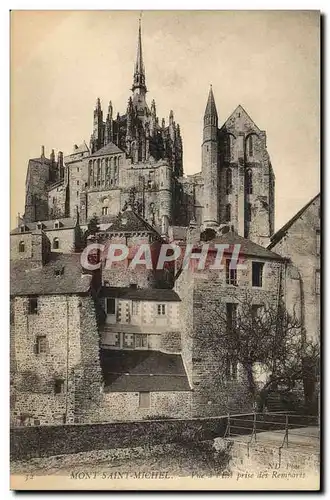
139 72
211 109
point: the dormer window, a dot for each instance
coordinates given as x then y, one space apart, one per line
56 224
23 229
39 225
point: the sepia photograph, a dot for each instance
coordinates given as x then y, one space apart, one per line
165 250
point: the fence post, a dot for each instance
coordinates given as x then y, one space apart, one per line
227 433
254 430
286 437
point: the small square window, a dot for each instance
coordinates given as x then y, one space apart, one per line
161 310
59 386
144 399
78 170
33 305
77 183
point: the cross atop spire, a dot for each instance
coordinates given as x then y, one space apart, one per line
139 72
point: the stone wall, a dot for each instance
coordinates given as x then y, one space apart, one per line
15 240
77 180
204 296
118 406
71 346
299 244
66 238
47 441
57 201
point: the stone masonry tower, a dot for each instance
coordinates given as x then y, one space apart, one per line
246 178
237 173
210 163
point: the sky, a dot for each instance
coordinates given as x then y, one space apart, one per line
267 61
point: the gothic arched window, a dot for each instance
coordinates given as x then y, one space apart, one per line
228 212
21 247
229 181
56 243
248 181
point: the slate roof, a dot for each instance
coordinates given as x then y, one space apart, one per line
149 294
48 225
248 247
211 108
151 371
25 279
178 233
282 232
109 149
129 221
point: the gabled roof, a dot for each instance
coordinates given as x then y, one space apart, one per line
136 371
25 279
148 294
48 225
247 247
282 232
109 149
239 113
130 221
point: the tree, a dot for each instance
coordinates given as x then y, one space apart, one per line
264 337
93 226
92 229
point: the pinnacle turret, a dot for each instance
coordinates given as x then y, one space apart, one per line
211 109
139 72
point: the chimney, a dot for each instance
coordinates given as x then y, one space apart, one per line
19 220
52 156
60 159
42 152
40 248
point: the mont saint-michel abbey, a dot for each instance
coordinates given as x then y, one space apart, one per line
127 344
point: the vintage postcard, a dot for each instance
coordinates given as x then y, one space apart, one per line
165 250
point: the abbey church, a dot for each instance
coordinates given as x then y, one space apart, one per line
120 345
